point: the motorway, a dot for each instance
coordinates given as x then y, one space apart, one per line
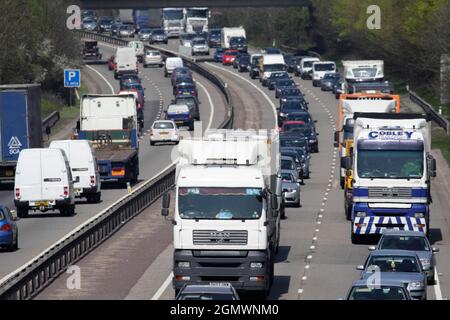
316 258
41 231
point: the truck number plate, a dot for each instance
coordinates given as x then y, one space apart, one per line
42 204
9 173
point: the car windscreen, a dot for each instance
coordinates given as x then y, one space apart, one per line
163 125
287 177
394 263
231 53
290 92
324 67
286 165
300 117
199 42
206 296
377 293
411 243
294 143
219 203
158 32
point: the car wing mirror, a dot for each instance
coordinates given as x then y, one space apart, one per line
360 268
435 250
372 248
165 205
14 215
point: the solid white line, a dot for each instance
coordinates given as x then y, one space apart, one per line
437 286
211 115
101 76
163 288
256 87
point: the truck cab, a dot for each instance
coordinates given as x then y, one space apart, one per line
227 211
392 171
196 19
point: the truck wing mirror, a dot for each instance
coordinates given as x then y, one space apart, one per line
48 131
78 126
346 163
433 167
165 205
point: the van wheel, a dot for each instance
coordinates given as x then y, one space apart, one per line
68 211
94 198
22 212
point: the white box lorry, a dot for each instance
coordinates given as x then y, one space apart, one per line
43 182
228 33
83 164
392 171
362 71
227 210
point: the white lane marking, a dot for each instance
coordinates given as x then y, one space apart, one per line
256 87
211 115
161 289
437 286
101 76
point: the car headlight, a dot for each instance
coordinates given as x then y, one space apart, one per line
415 285
282 114
312 141
419 215
256 265
425 262
184 264
361 214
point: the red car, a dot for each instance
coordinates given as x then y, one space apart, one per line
112 63
291 126
229 56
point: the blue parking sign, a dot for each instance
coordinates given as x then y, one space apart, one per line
72 78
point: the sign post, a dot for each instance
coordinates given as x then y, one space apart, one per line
72 79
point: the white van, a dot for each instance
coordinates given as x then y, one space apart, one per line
270 63
305 67
171 64
319 69
126 61
83 164
43 182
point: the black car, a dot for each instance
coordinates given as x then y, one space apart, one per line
306 131
114 30
280 84
91 51
254 67
184 79
238 58
238 43
288 107
244 63
214 38
288 140
130 78
301 116
291 65
208 292
192 102
276 76
289 92
329 80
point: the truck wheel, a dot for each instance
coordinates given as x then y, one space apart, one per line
152 143
356 239
283 213
342 183
22 212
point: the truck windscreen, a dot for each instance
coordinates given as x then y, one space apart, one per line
273 67
324 67
220 203
390 164
173 15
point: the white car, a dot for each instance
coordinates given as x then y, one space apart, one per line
164 131
153 57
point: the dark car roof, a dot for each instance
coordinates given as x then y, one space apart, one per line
207 289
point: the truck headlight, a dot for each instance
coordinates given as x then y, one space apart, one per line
184 264
256 265
415 285
360 214
312 141
419 215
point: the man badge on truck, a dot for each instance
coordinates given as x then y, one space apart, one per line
14 145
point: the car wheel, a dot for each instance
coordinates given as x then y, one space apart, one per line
431 280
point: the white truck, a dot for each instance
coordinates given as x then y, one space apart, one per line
392 171
227 210
126 61
227 33
270 63
362 71
319 69
196 19
173 21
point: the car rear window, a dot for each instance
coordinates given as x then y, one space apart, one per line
178 108
163 125
2 216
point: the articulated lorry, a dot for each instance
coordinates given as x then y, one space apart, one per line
362 71
196 19
227 210
20 124
392 171
173 21
110 123
352 103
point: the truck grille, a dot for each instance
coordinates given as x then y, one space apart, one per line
208 237
380 192
174 24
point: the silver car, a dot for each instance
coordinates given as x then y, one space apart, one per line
125 31
399 265
291 189
158 36
144 34
200 46
89 24
153 57
288 164
412 241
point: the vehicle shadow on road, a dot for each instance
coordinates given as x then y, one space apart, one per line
281 286
435 235
283 253
118 186
6 186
